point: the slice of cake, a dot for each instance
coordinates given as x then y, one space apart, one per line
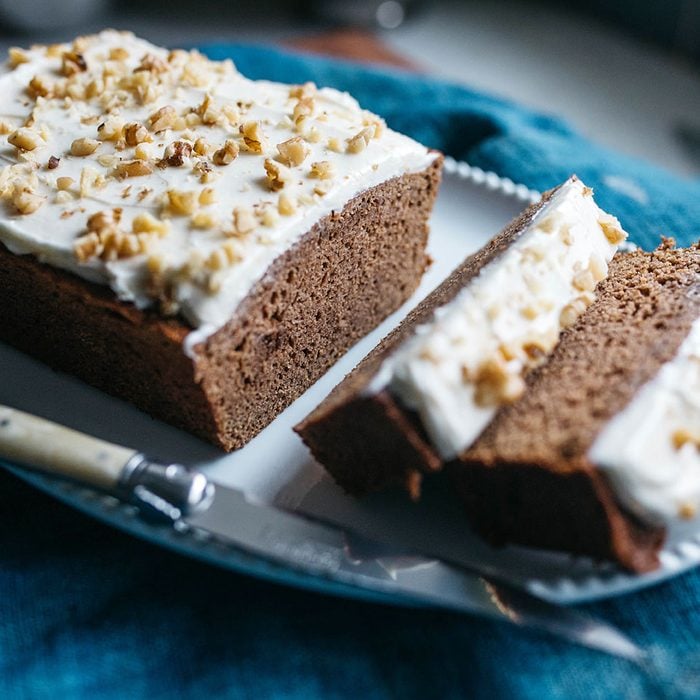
429 389
198 243
601 453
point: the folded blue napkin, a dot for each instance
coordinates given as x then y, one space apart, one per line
86 612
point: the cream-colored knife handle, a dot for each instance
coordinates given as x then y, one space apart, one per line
55 449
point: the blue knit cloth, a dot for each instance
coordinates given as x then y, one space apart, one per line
87 612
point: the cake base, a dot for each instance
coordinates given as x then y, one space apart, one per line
337 283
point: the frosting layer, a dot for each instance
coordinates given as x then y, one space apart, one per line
456 370
174 179
650 451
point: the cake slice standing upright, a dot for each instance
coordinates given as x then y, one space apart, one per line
430 388
602 452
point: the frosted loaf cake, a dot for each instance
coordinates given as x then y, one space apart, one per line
198 243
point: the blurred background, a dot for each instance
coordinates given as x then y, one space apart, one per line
624 72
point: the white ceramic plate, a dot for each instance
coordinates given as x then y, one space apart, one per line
276 468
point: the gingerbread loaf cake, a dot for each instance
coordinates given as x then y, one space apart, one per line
200 244
432 386
602 452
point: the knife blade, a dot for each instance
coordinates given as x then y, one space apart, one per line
192 504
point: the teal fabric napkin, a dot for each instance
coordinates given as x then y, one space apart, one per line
86 612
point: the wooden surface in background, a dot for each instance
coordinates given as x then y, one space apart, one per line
354 45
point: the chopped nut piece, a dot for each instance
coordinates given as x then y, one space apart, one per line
253 136
162 119
335 144
208 112
141 152
72 63
682 437
243 220
65 183
207 196
17 56
135 133
302 91
598 267
360 141
269 216
687 511
118 54
322 169
110 129
293 151
24 139
611 229
63 197
175 154
203 220
584 281
302 109
277 175
147 223
202 147
495 386
226 154
152 64
286 205
83 147
133 168
26 201
39 87
53 163
182 202
570 313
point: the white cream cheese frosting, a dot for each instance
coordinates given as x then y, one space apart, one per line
174 179
457 369
650 451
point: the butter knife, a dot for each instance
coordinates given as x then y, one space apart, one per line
189 502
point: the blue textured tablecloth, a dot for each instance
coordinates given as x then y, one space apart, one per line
87 612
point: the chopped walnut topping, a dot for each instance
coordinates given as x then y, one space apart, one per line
293 151
207 196
5 127
208 112
182 202
202 147
335 144
253 136
683 436
111 129
133 168
611 229
39 87
302 91
243 220
277 175
598 267
17 56
687 511
162 119
152 64
226 154
570 313
83 147
118 54
24 139
302 109
175 154
495 386
26 201
72 63
147 223
584 281
286 204
322 169
375 123
203 220
65 183
135 133
269 215
360 141
53 163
